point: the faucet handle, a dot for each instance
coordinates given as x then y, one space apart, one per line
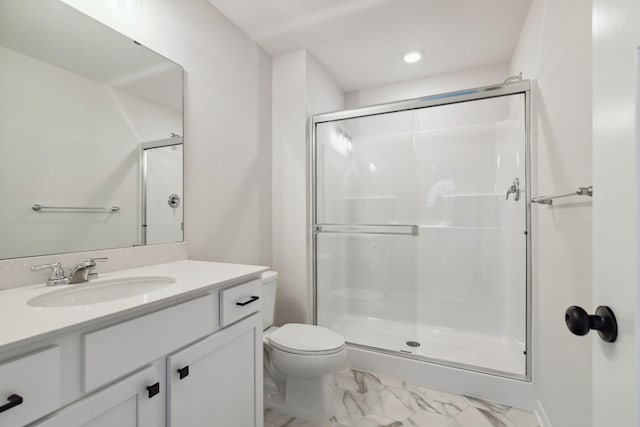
92 273
57 273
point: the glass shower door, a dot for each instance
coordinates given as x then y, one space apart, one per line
420 233
471 211
366 235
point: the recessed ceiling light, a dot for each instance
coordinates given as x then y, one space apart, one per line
413 56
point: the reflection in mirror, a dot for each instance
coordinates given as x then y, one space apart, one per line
80 104
162 191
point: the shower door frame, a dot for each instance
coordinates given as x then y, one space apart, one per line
475 94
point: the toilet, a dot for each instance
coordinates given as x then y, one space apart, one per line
299 362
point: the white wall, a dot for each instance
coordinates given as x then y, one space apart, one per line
96 130
300 88
227 122
428 86
289 187
555 50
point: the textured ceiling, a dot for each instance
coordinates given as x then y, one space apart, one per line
361 42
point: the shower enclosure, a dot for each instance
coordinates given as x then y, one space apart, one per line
421 229
161 191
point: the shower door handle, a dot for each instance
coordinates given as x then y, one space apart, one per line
514 189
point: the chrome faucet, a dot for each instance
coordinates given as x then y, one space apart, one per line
57 273
84 271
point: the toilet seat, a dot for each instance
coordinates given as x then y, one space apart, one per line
303 339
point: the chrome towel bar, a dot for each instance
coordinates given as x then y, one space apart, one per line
548 200
40 208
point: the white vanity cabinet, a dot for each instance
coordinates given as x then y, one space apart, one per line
182 364
218 381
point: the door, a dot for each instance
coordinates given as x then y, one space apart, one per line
616 37
132 402
217 381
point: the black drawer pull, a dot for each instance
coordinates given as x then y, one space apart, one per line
249 301
184 372
153 389
14 400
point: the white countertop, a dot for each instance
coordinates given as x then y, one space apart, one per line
21 323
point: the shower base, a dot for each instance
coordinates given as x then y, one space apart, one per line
458 348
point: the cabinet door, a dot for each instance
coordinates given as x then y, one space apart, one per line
124 404
221 384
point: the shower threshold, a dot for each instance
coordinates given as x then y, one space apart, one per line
455 347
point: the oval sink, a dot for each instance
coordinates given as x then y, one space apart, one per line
102 291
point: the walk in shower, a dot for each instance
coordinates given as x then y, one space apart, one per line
420 225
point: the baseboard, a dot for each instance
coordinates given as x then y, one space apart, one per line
541 414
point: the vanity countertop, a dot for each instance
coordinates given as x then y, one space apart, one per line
21 323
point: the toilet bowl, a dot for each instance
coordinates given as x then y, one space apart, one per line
300 360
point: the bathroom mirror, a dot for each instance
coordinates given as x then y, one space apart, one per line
90 135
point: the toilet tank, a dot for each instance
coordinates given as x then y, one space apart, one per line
269 283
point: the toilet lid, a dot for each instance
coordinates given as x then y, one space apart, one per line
306 339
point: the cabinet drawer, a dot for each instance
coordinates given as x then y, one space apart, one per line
35 378
240 301
117 350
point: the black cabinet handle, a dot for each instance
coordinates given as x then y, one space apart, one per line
14 400
249 301
184 372
153 389
580 323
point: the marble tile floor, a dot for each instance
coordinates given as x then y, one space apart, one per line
371 400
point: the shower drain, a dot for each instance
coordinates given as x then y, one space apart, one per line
413 343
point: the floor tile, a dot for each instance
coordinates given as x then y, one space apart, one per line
483 404
366 399
358 381
455 400
302 423
390 403
423 402
376 421
522 418
477 417
352 407
430 419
